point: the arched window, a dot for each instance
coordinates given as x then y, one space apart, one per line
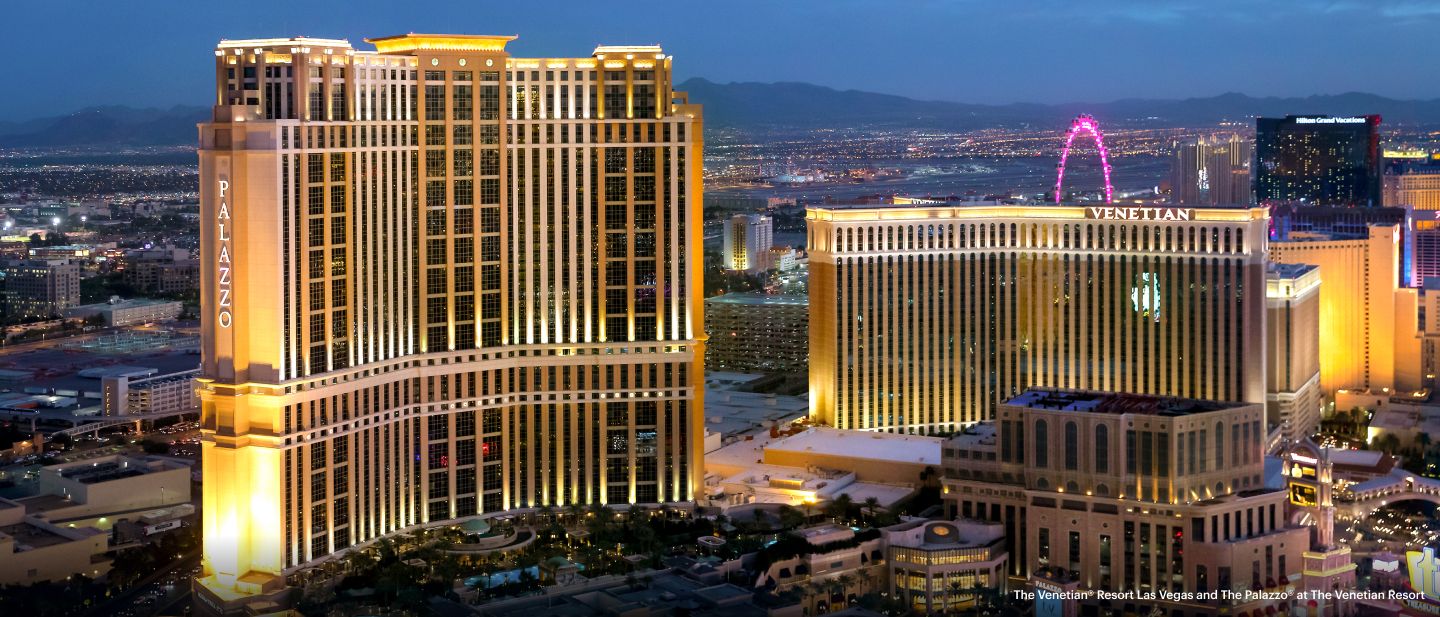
1102 449
1072 446
1102 490
1042 444
1072 487
1219 445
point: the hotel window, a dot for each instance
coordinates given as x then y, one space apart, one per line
463 103
1042 444
1044 546
464 196
435 134
463 161
1072 446
1102 449
434 162
318 486
435 103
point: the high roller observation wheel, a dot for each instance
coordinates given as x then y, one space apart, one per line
1084 123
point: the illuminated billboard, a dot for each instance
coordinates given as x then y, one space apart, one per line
1303 495
1424 572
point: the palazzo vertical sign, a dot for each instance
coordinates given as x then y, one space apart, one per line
223 288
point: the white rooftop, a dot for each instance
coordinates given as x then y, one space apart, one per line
889 447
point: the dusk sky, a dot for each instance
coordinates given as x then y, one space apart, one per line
70 54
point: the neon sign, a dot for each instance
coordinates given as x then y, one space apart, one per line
223 288
1089 125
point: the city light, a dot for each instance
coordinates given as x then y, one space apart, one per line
409 324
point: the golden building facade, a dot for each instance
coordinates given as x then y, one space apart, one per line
1292 345
440 282
1368 333
924 318
1131 492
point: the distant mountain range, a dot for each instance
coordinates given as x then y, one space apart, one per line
750 105
110 126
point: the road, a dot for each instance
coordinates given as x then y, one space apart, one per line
155 594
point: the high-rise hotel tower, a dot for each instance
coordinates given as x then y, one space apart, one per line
440 282
923 318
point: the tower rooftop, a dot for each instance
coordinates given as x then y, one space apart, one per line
411 42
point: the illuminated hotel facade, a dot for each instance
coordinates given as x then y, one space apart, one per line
1129 492
439 282
925 318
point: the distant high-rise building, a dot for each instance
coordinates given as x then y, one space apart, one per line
1415 185
439 283
755 332
748 239
1368 337
1324 160
1211 171
924 318
1412 183
39 288
1292 349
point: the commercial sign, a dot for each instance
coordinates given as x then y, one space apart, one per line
1346 120
223 287
1424 572
1111 213
151 530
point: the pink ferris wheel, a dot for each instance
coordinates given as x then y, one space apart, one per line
1087 124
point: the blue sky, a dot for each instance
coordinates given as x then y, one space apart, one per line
68 54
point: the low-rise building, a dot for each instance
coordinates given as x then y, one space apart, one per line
944 566
134 311
808 466
161 271
123 395
33 550
106 486
893 458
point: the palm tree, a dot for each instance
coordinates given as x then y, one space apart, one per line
835 587
846 581
872 505
575 511
839 508
790 518
955 589
808 590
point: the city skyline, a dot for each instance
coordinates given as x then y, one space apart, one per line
1007 55
505 311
